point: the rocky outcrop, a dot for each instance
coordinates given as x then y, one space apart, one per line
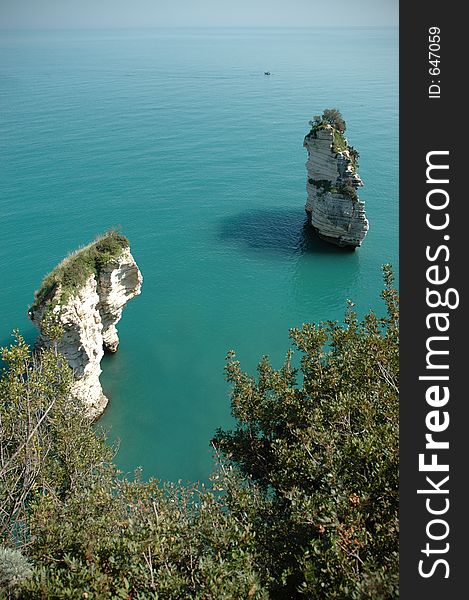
333 206
88 316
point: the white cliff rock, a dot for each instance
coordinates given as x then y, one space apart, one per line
333 206
88 318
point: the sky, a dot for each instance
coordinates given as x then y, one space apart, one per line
54 14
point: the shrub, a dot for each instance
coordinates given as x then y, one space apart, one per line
322 184
333 117
339 143
91 532
38 421
320 453
354 156
346 188
330 116
15 569
304 501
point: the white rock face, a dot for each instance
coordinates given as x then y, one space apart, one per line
89 321
336 216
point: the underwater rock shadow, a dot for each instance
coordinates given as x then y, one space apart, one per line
281 230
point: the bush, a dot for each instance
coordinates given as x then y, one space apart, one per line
320 453
304 502
354 156
91 532
330 116
347 188
15 569
333 117
38 421
339 143
322 184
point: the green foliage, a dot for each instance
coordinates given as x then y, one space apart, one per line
321 455
129 539
15 569
71 274
88 531
330 116
303 502
347 188
339 143
321 184
37 423
333 117
354 156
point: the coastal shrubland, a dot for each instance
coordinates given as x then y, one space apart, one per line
85 530
303 501
320 448
71 274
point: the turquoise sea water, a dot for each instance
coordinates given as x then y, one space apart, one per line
180 138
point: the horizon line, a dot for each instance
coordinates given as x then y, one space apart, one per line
147 27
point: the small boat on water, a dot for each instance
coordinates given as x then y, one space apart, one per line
266 72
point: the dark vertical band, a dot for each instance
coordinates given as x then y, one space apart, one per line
434 268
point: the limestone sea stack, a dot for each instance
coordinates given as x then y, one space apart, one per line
85 295
333 206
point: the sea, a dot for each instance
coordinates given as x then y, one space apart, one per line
179 139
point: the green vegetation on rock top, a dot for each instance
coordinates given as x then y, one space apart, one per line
331 117
71 274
